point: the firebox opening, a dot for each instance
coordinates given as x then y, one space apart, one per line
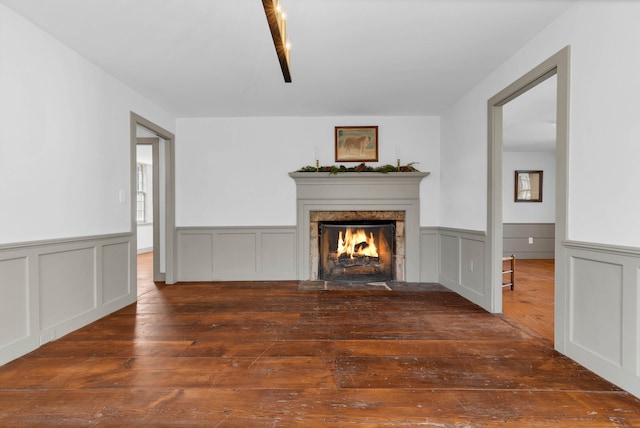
360 251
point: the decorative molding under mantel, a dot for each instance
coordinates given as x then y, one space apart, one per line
358 176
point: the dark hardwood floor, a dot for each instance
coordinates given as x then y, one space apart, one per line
531 303
263 354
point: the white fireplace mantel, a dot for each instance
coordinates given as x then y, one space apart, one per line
359 191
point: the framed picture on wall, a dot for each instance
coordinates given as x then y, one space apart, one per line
528 186
356 143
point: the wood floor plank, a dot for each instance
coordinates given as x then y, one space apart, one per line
346 331
304 348
263 354
321 407
555 373
194 372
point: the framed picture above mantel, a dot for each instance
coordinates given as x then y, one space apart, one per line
528 186
356 143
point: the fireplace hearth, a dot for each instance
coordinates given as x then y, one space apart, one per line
356 252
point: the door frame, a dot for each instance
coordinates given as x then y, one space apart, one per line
169 277
558 65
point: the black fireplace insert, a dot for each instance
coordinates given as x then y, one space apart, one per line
359 251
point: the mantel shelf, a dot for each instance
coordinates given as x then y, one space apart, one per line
327 177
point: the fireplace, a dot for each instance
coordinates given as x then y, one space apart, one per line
359 197
356 251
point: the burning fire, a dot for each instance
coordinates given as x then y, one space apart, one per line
357 244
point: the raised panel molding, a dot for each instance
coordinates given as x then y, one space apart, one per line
236 253
271 247
449 258
429 255
51 288
195 255
115 280
67 280
462 256
14 304
595 292
603 311
472 266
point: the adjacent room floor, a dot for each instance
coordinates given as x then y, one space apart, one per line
531 302
265 354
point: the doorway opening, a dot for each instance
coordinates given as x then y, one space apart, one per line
159 159
529 147
558 66
150 204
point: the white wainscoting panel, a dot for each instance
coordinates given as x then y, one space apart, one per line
51 288
462 263
429 256
115 283
235 254
14 303
195 255
472 265
449 258
603 307
596 307
67 280
272 247
259 253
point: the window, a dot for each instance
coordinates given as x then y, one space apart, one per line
141 200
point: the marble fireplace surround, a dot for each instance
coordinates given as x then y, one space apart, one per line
359 194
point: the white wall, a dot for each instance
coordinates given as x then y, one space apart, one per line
65 155
234 171
604 128
64 139
529 212
596 303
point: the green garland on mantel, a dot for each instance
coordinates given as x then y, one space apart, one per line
384 169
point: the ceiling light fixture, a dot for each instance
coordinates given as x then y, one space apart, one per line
277 19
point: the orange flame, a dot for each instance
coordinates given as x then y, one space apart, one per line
357 244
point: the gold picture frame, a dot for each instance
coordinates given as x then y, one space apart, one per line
528 186
356 143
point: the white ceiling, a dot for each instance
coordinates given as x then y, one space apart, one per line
349 57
